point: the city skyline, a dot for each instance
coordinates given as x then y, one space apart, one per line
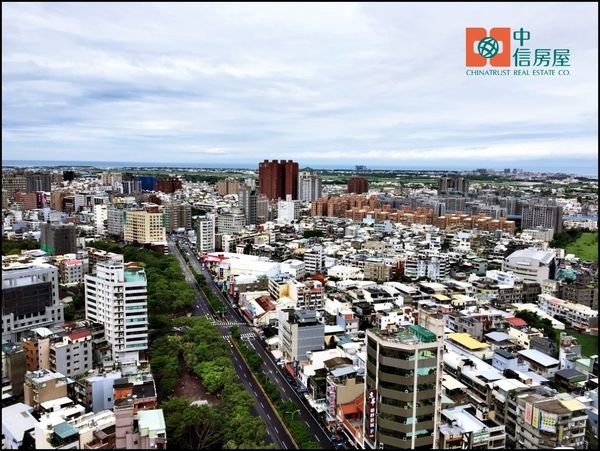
319 84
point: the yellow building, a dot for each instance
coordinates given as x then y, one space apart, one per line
144 226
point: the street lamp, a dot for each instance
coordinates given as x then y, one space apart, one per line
293 413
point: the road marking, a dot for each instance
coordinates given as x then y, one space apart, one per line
262 405
317 438
255 394
284 445
268 417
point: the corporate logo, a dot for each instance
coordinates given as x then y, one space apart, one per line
510 50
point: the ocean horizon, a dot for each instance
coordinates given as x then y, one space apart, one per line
587 172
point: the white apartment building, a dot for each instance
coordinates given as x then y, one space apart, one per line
231 223
115 220
530 265
309 186
206 234
434 267
576 315
116 297
100 218
314 260
288 210
71 272
29 298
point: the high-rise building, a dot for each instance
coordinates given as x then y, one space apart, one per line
38 181
278 179
228 186
178 215
300 332
230 223
14 183
288 210
148 182
453 185
403 387
547 216
115 220
168 184
58 239
116 297
100 218
247 198
144 226
262 209
130 183
314 260
358 185
206 233
309 186
29 298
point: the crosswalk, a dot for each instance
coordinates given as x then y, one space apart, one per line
246 336
219 322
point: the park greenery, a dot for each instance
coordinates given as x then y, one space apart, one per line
585 246
229 425
565 237
543 324
197 345
297 427
14 247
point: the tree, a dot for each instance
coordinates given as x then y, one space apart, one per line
192 427
12 247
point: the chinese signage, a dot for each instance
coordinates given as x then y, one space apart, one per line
512 52
331 400
371 413
480 436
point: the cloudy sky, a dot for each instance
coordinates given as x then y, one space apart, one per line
328 85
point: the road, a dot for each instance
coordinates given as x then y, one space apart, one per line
269 367
275 429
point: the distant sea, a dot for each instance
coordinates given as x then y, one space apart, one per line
583 168
119 164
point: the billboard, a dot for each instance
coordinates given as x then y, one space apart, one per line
371 413
331 395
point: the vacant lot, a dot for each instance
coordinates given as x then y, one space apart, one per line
585 247
589 343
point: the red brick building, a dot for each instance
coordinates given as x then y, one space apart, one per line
168 185
278 179
358 185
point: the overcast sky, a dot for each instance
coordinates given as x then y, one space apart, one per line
327 85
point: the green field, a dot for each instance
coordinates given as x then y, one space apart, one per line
589 343
585 247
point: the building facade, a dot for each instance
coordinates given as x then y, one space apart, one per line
309 186
116 297
29 298
547 216
358 185
403 388
58 239
277 179
206 233
144 226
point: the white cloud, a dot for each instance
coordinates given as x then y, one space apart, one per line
319 83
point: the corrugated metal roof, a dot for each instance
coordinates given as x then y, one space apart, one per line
539 357
467 341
